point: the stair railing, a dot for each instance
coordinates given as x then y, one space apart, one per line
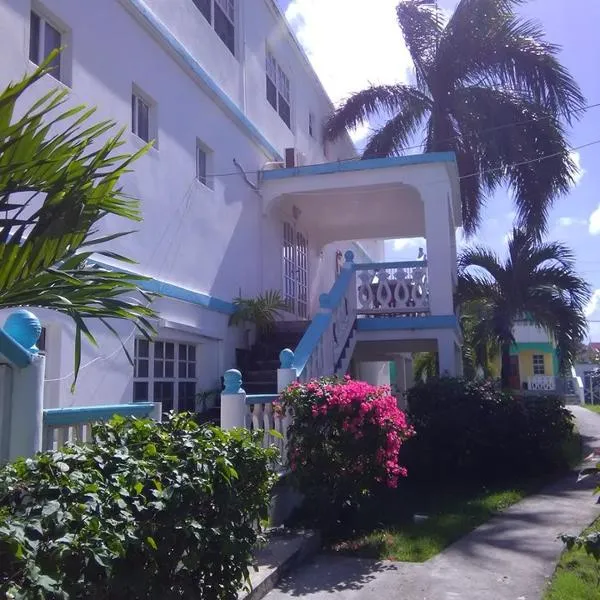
319 351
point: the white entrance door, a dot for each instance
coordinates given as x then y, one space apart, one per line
295 270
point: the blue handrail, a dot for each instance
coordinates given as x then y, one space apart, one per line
80 415
261 398
407 264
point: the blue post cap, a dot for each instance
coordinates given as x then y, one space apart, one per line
349 256
25 328
286 358
233 382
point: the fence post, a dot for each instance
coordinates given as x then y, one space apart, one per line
233 401
285 374
157 412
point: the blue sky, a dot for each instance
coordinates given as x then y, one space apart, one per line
366 46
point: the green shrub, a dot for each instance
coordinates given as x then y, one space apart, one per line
343 445
147 511
471 431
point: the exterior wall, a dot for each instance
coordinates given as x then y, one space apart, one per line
526 364
529 333
211 240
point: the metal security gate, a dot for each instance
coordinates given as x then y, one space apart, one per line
295 270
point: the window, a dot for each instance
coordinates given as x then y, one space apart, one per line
203 161
165 372
311 125
140 116
278 89
538 364
43 39
221 16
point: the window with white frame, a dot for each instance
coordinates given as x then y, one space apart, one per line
203 162
44 37
278 89
538 364
142 114
221 15
165 372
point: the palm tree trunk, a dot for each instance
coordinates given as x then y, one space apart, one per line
505 373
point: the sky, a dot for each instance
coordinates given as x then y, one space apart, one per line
351 47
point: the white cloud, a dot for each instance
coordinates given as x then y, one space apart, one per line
570 221
576 158
593 305
350 47
595 222
407 243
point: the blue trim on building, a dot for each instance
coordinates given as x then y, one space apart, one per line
318 326
170 290
407 264
13 351
261 398
361 165
407 323
59 417
239 117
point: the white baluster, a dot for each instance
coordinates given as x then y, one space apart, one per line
365 291
268 424
286 421
384 292
257 417
403 289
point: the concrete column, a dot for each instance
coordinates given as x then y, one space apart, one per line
447 355
286 374
233 401
157 412
441 252
27 409
400 363
375 373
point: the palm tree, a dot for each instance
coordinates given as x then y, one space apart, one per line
479 346
538 281
488 87
59 177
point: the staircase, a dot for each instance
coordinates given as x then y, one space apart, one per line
261 363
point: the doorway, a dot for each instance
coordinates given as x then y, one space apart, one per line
295 270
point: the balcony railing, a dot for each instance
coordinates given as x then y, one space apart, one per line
400 288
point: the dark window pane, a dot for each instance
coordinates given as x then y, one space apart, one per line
41 344
52 42
225 29
159 349
142 368
204 6
133 113
187 397
140 391
182 352
271 93
170 350
169 369
191 370
143 348
34 39
182 370
284 111
158 369
200 173
191 352
143 120
163 392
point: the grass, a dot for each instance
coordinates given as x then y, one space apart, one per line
452 514
593 407
577 576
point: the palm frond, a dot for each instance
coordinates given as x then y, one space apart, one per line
59 178
263 311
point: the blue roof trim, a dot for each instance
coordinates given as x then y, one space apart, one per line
163 31
59 417
13 351
361 165
407 323
170 290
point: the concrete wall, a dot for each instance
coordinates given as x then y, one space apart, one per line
215 240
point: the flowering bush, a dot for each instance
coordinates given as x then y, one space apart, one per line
344 442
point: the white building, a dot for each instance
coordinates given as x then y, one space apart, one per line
226 92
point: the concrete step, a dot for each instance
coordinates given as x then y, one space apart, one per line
283 551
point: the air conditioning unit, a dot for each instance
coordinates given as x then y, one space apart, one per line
294 158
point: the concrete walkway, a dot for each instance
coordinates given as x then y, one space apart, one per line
511 557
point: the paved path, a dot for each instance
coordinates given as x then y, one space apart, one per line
509 558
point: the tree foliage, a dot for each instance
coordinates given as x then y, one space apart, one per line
59 178
538 282
489 87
